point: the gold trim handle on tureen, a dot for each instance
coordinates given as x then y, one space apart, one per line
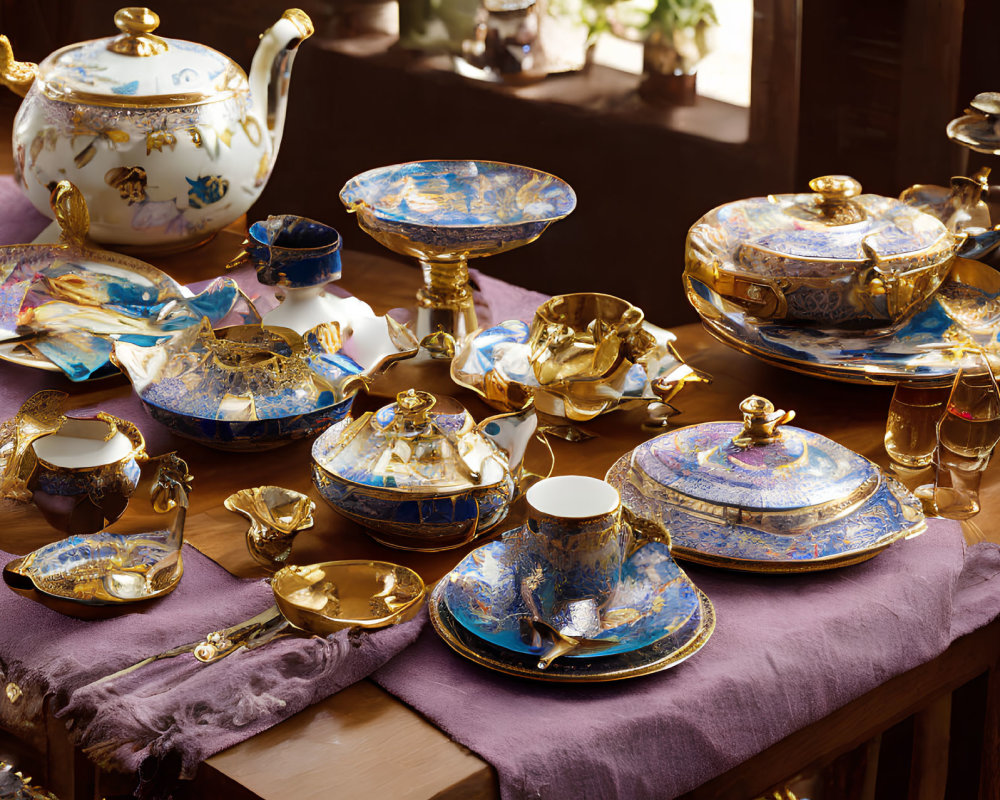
15 75
753 293
137 39
760 422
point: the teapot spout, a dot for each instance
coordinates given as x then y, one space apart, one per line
15 75
511 433
271 69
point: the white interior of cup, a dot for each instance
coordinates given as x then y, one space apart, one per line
80 443
574 496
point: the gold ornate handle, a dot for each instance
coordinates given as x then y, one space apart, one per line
70 211
15 75
137 25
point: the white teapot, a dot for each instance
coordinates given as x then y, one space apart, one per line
168 140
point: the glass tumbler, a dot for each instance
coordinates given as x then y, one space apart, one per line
911 429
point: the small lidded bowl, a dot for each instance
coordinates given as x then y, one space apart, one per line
835 259
419 473
761 495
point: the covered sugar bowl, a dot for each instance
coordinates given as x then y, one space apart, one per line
168 140
836 258
419 473
763 496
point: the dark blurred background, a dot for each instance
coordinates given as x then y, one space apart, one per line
837 86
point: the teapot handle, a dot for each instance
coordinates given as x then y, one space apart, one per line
18 76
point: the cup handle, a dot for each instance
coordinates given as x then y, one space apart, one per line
641 533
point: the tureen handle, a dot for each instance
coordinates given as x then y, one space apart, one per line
760 422
15 75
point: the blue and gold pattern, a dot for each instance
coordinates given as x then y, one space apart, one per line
247 388
795 502
928 348
421 479
653 599
836 258
451 207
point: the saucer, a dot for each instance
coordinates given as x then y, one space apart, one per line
918 351
654 600
495 364
888 515
666 652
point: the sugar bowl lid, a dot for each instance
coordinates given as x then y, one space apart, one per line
419 443
836 223
743 473
137 67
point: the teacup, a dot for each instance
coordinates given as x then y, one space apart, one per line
86 471
573 547
293 252
585 336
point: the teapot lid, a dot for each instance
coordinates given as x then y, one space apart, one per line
732 470
137 67
799 232
419 443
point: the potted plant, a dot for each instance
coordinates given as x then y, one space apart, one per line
678 37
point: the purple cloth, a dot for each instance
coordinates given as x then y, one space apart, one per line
20 221
787 651
498 301
175 706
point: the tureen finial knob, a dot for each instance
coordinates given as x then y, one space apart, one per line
760 421
415 404
836 193
137 25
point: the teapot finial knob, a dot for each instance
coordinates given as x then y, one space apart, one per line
137 25
760 422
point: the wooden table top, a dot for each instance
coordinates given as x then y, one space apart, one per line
362 742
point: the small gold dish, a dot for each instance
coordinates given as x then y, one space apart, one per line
332 595
276 516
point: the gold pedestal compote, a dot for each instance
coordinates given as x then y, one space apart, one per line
445 212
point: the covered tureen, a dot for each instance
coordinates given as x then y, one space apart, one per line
836 258
420 473
168 140
761 495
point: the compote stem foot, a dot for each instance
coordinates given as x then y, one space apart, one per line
445 300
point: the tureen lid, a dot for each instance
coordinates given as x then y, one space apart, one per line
137 67
419 442
836 223
726 469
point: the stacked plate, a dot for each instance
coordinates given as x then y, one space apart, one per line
655 619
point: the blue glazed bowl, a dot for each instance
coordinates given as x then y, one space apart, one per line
249 388
294 251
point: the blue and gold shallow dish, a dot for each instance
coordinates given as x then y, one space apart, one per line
653 599
429 209
67 301
755 498
926 349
